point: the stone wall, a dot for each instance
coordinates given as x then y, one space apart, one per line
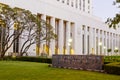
86 62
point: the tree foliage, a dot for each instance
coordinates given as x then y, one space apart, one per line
114 22
20 24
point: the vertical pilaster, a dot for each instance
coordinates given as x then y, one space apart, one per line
60 37
78 4
103 43
86 5
94 47
70 2
52 43
74 3
106 43
91 41
67 37
112 43
98 42
86 38
43 17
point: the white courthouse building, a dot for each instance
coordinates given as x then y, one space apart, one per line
79 31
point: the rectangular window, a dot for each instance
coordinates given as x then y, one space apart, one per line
64 34
83 44
16 43
67 2
97 45
83 5
88 45
80 4
63 1
76 4
72 4
88 1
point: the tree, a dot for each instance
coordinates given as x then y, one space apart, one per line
7 17
114 22
20 24
109 50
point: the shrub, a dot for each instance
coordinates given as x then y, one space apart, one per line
112 58
112 68
30 59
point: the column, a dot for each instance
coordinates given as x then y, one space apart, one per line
67 37
86 38
70 2
78 4
103 43
94 38
52 43
60 37
60 0
98 42
106 37
86 5
74 3
80 38
43 17
112 43
74 39
65 1
82 5
91 41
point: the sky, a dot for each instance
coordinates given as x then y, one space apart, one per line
104 9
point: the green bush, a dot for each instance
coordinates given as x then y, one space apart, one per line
112 68
30 59
112 58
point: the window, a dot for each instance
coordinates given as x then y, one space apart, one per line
100 31
80 4
16 43
88 44
83 5
97 45
76 4
83 27
63 1
83 44
64 35
67 2
72 4
96 30
88 29
88 1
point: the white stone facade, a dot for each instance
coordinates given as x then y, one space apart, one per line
72 19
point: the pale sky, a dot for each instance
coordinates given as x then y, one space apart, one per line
104 9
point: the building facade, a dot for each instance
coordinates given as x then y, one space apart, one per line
79 31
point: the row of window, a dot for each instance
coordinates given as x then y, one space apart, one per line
81 4
101 31
102 43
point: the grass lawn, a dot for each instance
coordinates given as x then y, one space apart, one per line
15 70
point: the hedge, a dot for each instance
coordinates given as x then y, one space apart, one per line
112 68
112 58
30 59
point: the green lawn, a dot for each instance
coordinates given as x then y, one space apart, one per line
15 70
